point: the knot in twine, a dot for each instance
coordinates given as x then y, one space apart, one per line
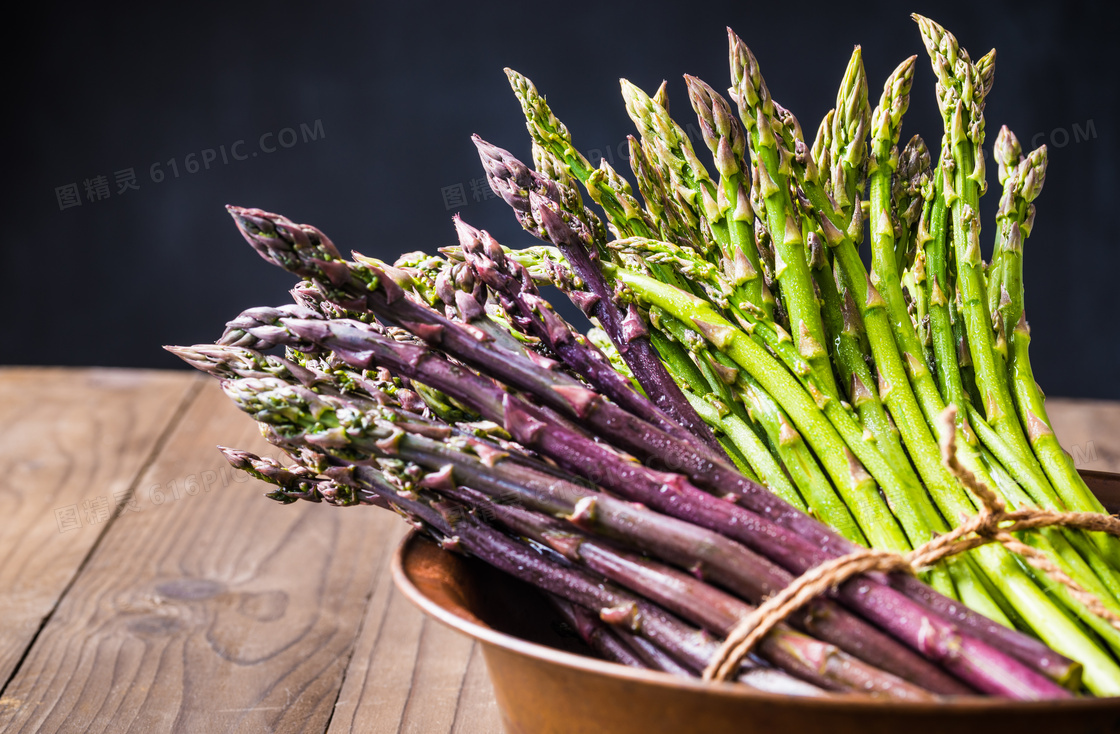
993 523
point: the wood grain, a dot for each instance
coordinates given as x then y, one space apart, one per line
477 711
68 437
410 673
216 611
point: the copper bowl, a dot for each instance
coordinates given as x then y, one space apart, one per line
546 681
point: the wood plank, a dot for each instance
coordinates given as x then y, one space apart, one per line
413 674
1089 430
216 610
437 683
477 710
71 441
383 659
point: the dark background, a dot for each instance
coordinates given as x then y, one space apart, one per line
398 91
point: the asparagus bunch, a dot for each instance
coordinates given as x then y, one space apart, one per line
747 378
691 540
819 376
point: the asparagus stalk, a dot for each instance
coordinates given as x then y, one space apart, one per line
1059 543
738 439
740 348
515 286
665 216
572 451
1015 217
598 636
893 380
756 109
846 337
960 96
657 659
226 361
723 377
883 169
544 128
905 495
915 512
668 146
796 456
910 420
778 342
913 177
298 482
505 173
727 143
848 143
717 413
1022 179
635 650
961 89
932 237
413 360
604 186
366 285
886 122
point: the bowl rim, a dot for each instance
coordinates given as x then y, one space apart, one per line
850 702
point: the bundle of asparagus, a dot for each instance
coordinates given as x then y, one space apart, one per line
678 464
816 376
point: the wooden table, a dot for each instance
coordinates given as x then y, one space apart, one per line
146 587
